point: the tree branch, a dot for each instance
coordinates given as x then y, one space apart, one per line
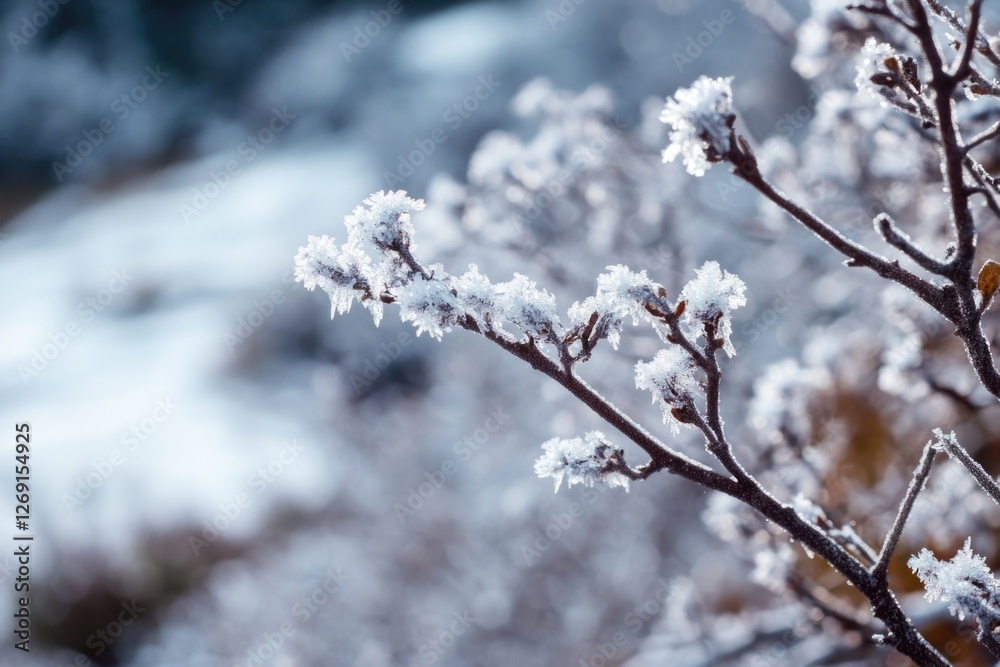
923 470
745 167
902 242
986 481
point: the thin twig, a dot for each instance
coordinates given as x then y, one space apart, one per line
902 242
983 136
881 568
745 166
986 481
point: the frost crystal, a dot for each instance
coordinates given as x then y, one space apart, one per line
530 308
478 296
621 293
347 272
670 376
945 443
709 298
581 461
702 117
873 57
430 305
343 273
964 582
385 221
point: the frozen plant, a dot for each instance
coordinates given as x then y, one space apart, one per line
702 118
905 80
587 461
965 584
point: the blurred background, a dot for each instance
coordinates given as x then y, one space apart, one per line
223 476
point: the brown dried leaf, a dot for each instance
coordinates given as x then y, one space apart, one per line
989 279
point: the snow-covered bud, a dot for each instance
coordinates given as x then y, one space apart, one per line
710 298
586 461
702 119
670 376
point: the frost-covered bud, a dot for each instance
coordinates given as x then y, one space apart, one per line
386 221
964 583
581 461
621 293
670 376
624 293
702 117
710 298
343 273
531 309
873 68
946 443
429 304
478 296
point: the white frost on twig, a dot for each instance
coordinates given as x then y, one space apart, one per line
710 298
586 461
702 117
670 376
964 583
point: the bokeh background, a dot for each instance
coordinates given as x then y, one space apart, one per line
223 476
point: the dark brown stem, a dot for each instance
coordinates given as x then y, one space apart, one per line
923 470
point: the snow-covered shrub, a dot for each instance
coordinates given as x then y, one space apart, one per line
908 113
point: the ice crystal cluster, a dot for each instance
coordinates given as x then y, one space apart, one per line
873 66
702 118
964 583
671 378
376 266
710 298
585 461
